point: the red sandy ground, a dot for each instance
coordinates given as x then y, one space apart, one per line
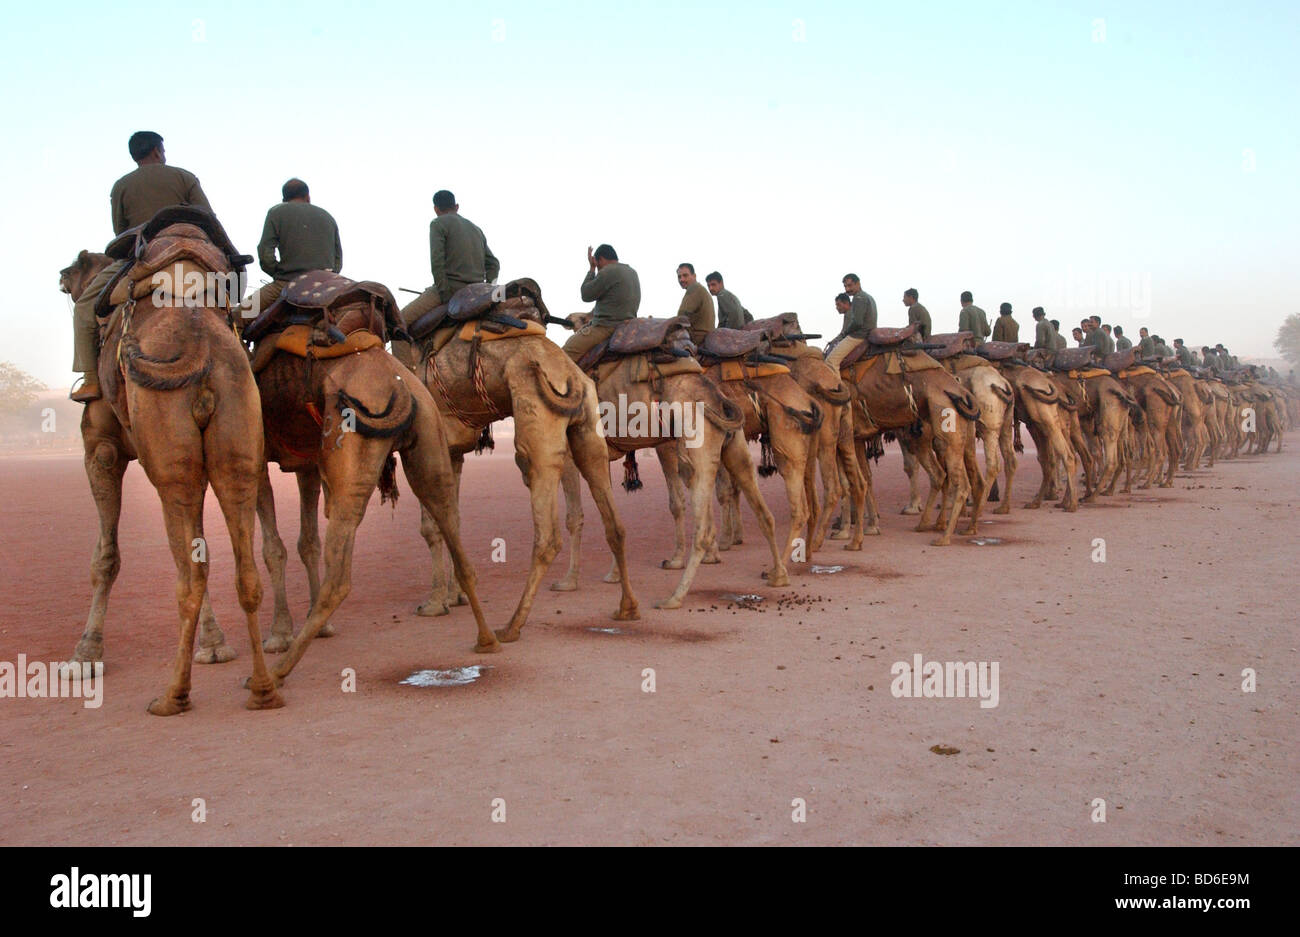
1119 680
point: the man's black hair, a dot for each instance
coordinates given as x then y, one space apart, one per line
142 143
294 188
844 298
911 291
690 267
966 297
605 252
714 276
443 199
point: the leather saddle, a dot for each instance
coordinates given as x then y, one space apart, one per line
732 343
339 305
954 343
517 300
1072 359
667 337
1117 361
182 237
880 341
1002 351
776 327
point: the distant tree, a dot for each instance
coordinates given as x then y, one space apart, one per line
17 389
1288 339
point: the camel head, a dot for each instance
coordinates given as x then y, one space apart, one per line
74 278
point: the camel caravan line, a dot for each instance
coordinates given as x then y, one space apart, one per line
200 395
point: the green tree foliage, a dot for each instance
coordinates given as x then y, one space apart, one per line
1288 339
17 389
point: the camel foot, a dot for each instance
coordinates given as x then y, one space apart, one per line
781 578
1003 508
924 525
264 698
277 643
214 655
1070 507
1165 485
840 534
1033 505
567 584
672 564
275 676
711 559
670 602
611 576
872 531
166 706
89 650
627 613
431 609
326 631
852 546
910 509
507 635
941 541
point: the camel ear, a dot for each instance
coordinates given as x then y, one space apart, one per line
81 258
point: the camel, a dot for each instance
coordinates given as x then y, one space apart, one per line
1193 416
676 400
1159 401
345 418
906 392
1103 412
995 398
180 398
555 412
1042 407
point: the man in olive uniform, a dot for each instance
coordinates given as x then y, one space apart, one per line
1044 337
1122 341
304 236
1183 352
615 289
1146 345
1162 350
1079 337
917 314
697 304
973 319
1058 338
859 320
459 255
135 198
1105 344
1006 329
731 314
1210 359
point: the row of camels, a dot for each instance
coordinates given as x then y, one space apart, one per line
320 396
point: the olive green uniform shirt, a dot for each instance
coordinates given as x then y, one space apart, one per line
919 315
1162 350
1147 347
1043 337
1006 329
459 254
972 319
141 194
616 291
1184 355
307 238
697 306
1059 340
861 317
1123 343
731 314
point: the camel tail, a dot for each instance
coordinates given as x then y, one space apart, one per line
1134 408
567 402
965 404
388 481
188 366
1004 393
730 420
1167 394
809 421
393 420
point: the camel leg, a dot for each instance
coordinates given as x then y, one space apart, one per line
435 603
872 527
668 461
590 458
978 484
105 466
846 462
238 480
276 558
570 483
699 471
1006 445
910 464
792 463
183 519
736 460
956 487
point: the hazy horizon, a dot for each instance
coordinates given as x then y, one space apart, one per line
1133 163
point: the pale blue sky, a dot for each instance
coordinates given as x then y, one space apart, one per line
1024 151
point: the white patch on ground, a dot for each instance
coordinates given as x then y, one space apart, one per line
827 569
607 630
457 676
984 541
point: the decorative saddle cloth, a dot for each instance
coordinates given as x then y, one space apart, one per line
334 304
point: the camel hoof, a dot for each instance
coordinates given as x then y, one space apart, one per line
1004 508
277 643
611 578
940 541
214 655
671 564
872 531
713 560
459 599
326 631
910 510
923 526
166 706
669 603
1031 506
277 678
852 546
89 651
778 579
839 535
565 585
431 609
504 635
627 614
266 699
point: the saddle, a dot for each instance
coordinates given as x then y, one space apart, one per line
888 338
508 305
172 253
1002 351
732 343
954 343
336 305
1073 359
662 339
1041 358
1118 361
787 323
